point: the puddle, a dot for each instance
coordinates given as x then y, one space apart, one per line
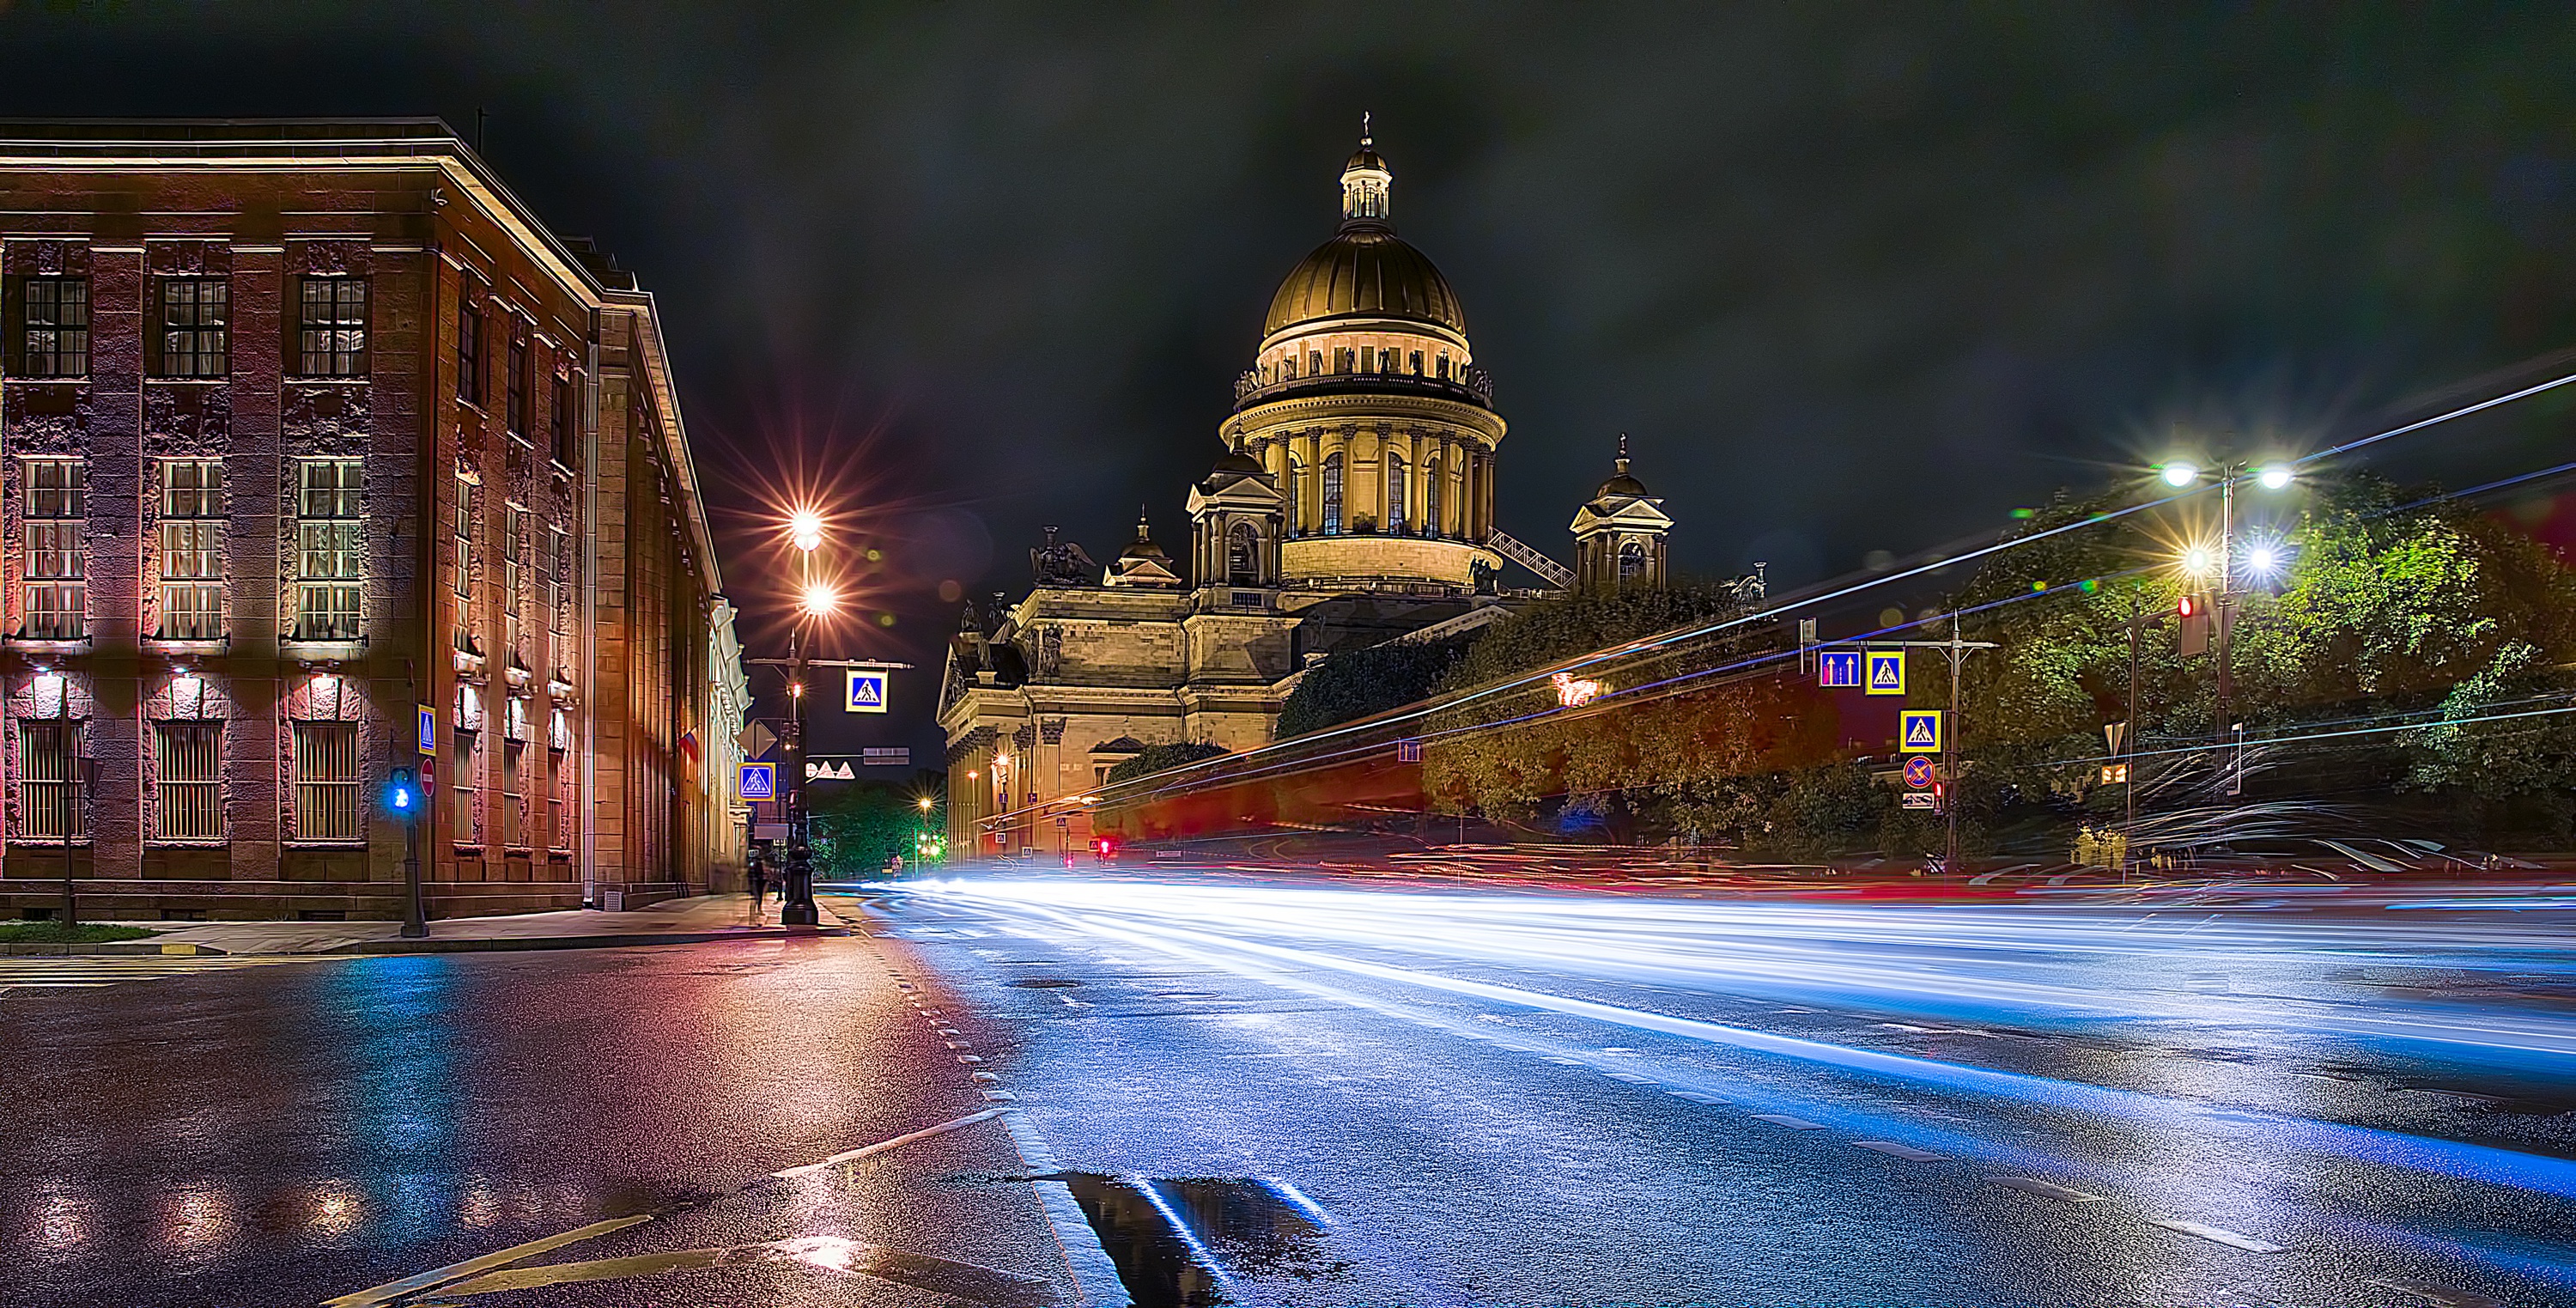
1189 1243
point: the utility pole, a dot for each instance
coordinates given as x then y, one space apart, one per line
1958 651
71 802
797 906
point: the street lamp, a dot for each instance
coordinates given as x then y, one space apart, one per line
2262 561
816 600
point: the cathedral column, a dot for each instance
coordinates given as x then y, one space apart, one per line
1485 496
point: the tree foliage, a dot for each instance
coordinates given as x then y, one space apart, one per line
859 826
1360 682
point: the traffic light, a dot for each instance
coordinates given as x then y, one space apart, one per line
1105 846
402 794
2193 610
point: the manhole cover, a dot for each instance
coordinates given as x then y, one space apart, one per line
1045 983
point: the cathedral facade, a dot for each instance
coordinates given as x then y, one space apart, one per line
1354 506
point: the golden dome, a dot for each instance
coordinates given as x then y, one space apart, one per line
1365 271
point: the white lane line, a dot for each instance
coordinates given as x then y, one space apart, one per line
1905 1151
393 1290
1699 1097
2045 1189
897 1142
1095 1277
1793 1123
1631 1078
970 1058
2217 1235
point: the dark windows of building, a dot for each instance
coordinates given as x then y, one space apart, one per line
469 354
187 768
331 327
327 781
55 315
196 322
558 745
329 549
192 559
559 585
517 415
1431 498
57 532
1333 493
1632 561
514 574
467 738
48 753
1395 505
1242 556
567 419
1296 507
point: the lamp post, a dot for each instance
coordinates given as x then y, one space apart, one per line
2180 473
816 601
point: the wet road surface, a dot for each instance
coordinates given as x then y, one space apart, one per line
782 1116
1304 1096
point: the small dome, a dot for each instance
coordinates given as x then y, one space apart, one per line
1365 159
1143 547
1366 272
1238 461
1620 482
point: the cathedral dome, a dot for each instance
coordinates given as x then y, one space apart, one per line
1365 271
1621 483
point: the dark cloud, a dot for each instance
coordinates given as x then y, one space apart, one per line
1856 277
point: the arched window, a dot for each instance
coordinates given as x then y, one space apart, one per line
1395 492
1632 561
1333 493
1431 498
1296 507
1242 556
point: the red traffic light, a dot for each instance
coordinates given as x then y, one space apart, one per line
1105 846
2187 605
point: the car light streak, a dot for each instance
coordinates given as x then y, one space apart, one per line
1233 928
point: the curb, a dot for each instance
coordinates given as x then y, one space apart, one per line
482 944
432 945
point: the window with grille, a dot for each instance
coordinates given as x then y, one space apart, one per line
517 415
1333 493
48 752
1431 498
57 549
1632 560
1395 492
330 539
55 315
514 543
1242 556
326 781
192 567
469 354
188 758
464 789
463 523
558 824
196 323
513 827
331 327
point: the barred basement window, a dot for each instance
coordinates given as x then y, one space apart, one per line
326 781
47 753
331 327
57 531
56 317
329 544
188 756
196 319
192 561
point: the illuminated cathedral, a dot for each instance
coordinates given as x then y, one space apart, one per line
1354 506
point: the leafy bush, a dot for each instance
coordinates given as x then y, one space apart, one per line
1361 682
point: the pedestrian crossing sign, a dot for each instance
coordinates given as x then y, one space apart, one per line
867 691
428 730
1886 672
1920 730
759 781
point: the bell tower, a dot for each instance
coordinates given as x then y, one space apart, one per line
1619 535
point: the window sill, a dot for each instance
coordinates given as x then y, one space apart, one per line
214 843
360 380
224 380
322 650
174 645
31 645
326 844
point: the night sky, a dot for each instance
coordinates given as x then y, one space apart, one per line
1855 278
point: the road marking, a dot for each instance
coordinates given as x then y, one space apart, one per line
1699 1097
1632 1078
2441 1296
897 1142
392 1290
970 1058
92 971
1905 1151
1793 1123
967 1281
2045 1189
2217 1235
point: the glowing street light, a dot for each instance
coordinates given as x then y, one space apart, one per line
925 803
2199 561
2179 473
2263 561
2277 476
820 601
805 528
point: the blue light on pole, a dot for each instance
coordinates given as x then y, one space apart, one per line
402 793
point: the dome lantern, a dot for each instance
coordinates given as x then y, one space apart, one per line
1365 182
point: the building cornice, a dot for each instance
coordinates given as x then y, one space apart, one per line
1363 408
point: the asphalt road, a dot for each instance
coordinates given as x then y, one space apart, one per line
1297 1095
1306 1095
329 1130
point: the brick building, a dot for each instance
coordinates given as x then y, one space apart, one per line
320 456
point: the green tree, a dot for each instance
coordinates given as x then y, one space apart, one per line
1361 682
859 827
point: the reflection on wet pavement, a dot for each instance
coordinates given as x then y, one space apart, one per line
1184 1243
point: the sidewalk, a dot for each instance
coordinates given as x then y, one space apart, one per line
671 922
